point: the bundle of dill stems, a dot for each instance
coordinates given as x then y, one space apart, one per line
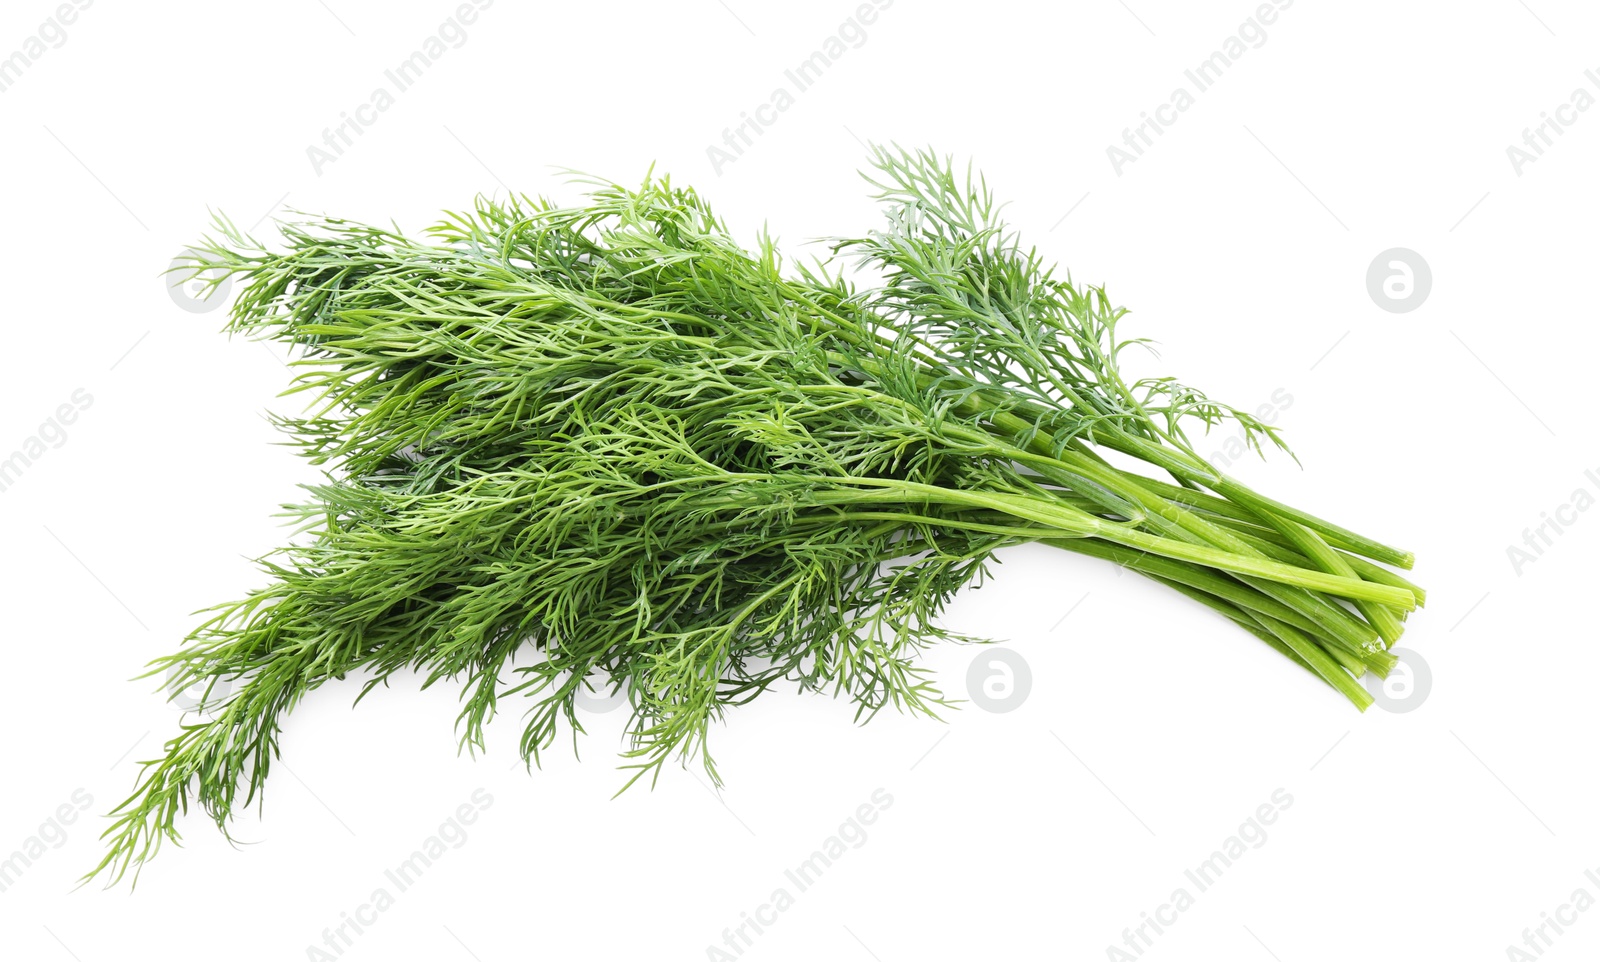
609 442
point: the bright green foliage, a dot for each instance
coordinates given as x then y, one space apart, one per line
609 442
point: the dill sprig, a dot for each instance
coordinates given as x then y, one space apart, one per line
609 441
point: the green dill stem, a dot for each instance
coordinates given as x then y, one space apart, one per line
1320 661
1073 521
1255 529
1067 519
1273 544
1255 623
1232 554
1102 486
1286 639
1380 617
1343 628
1191 468
1382 662
1079 467
1260 567
1194 576
1375 550
1240 617
1345 631
1337 626
1126 487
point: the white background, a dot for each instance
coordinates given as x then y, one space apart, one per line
1153 729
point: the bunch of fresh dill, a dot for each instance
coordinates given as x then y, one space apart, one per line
608 441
